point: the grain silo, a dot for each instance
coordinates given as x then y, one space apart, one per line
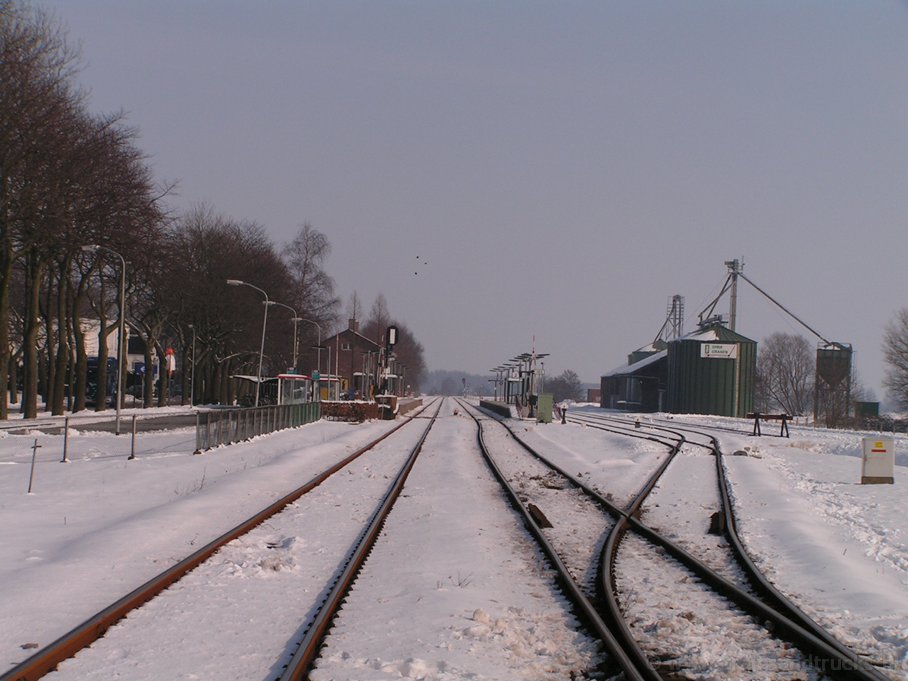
711 371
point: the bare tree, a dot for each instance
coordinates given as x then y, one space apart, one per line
895 354
785 374
207 250
408 351
354 307
379 320
312 294
66 179
313 289
566 386
36 100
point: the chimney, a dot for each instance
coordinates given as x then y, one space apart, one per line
353 325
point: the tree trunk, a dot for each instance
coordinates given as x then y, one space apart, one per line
219 384
34 268
48 309
13 377
202 380
6 272
148 393
42 375
61 365
101 377
186 376
80 379
164 383
71 324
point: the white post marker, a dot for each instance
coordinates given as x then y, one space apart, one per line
878 465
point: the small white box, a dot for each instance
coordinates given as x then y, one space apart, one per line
879 461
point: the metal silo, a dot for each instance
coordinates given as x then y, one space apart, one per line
711 371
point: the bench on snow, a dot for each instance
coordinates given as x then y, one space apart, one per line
757 417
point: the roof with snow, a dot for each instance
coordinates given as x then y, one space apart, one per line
716 332
636 366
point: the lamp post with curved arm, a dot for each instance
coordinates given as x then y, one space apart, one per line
121 327
238 282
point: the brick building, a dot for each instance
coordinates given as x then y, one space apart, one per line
353 358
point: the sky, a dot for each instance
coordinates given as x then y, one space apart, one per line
510 174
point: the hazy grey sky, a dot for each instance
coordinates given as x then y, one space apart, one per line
561 168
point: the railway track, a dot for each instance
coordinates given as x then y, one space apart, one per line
200 591
826 650
271 593
486 609
737 594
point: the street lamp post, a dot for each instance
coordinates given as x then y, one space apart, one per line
258 384
121 327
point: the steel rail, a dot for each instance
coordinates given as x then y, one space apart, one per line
632 654
582 604
777 608
609 552
608 557
300 663
83 635
833 662
755 576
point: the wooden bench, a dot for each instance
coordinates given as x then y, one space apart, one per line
757 417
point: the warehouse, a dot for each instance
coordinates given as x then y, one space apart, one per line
640 384
709 371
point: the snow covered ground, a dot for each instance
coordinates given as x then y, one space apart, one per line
464 576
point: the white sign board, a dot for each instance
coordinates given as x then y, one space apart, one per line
879 460
719 350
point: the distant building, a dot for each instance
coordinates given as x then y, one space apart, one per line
639 385
352 358
135 346
709 371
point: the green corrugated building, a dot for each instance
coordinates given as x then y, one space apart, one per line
711 371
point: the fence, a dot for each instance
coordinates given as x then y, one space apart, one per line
226 426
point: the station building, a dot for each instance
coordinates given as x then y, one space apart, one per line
352 356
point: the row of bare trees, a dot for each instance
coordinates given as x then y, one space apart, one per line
70 179
224 323
67 178
80 215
